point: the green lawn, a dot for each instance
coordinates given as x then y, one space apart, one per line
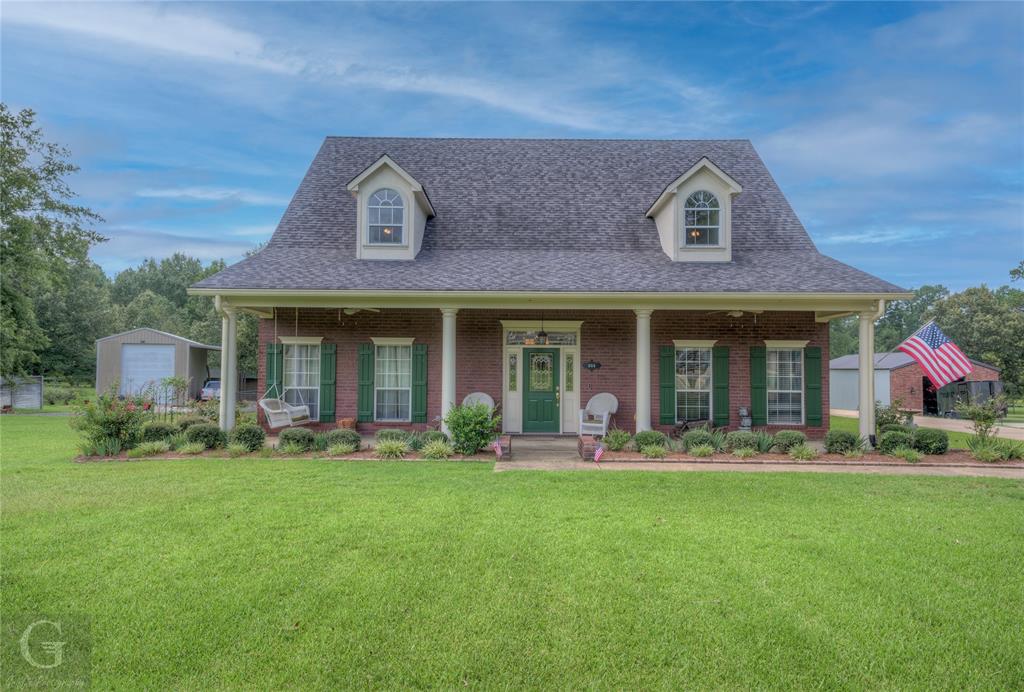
267 573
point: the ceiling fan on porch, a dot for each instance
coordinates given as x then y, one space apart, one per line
353 311
736 313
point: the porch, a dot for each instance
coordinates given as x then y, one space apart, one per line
405 365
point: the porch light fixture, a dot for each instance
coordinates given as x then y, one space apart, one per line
542 336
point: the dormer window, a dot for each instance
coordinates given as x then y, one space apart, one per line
701 219
386 216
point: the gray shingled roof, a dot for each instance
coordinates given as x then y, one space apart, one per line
540 215
889 360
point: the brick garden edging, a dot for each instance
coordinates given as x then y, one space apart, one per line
950 459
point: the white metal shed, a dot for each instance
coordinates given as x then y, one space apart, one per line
141 357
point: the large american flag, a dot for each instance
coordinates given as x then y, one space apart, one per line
942 361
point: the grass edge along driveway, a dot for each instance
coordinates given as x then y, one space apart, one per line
306 573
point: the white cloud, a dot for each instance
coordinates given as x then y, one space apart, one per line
155 28
127 247
883 236
214 194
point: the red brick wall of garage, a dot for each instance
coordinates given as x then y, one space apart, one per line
608 337
906 383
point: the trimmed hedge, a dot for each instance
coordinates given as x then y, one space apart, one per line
393 434
841 442
785 440
185 422
298 437
740 439
890 441
344 436
158 431
931 441
894 427
250 436
650 438
206 434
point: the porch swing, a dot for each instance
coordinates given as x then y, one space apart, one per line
279 412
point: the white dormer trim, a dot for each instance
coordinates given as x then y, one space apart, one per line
669 219
414 186
734 187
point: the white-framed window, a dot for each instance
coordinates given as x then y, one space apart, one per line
693 384
392 383
302 376
702 220
386 218
785 386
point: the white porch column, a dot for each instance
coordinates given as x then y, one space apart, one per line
229 370
866 374
447 363
643 369
224 337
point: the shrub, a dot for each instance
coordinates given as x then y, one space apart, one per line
765 441
391 449
841 442
803 452
393 434
987 454
891 427
192 448
616 440
652 451
340 449
103 447
302 438
931 441
894 439
1010 449
236 449
208 434
854 454
740 439
785 440
157 431
908 454
344 436
177 440
187 421
744 452
701 450
718 440
289 449
893 414
436 449
698 437
649 438
249 436
428 436
983 416
472 427
110 417
58 394
320 442
150 449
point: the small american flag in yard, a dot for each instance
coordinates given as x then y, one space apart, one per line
496 446
598 453
940 358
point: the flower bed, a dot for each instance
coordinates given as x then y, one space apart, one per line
950 458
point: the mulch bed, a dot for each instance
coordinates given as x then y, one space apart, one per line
363 455
950 458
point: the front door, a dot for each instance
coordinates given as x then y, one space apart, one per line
542 390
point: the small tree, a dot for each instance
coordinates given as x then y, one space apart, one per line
983 416
893 414
472 427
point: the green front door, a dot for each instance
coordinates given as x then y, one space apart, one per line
542 394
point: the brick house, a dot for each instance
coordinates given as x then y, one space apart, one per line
898 376
409 273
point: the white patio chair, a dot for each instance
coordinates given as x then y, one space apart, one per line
280 413
597 416
478 398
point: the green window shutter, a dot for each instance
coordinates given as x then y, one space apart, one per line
419 383
328 366
275 370
364 403
759 385
720 377
666 385
812 384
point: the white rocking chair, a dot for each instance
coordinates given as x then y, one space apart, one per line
597 416
478 398
280 413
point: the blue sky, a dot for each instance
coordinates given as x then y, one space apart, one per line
895 130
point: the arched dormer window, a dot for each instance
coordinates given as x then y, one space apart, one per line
386 218
701 219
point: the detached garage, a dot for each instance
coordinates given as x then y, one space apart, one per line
142 357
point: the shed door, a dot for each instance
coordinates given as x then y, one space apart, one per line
145 364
